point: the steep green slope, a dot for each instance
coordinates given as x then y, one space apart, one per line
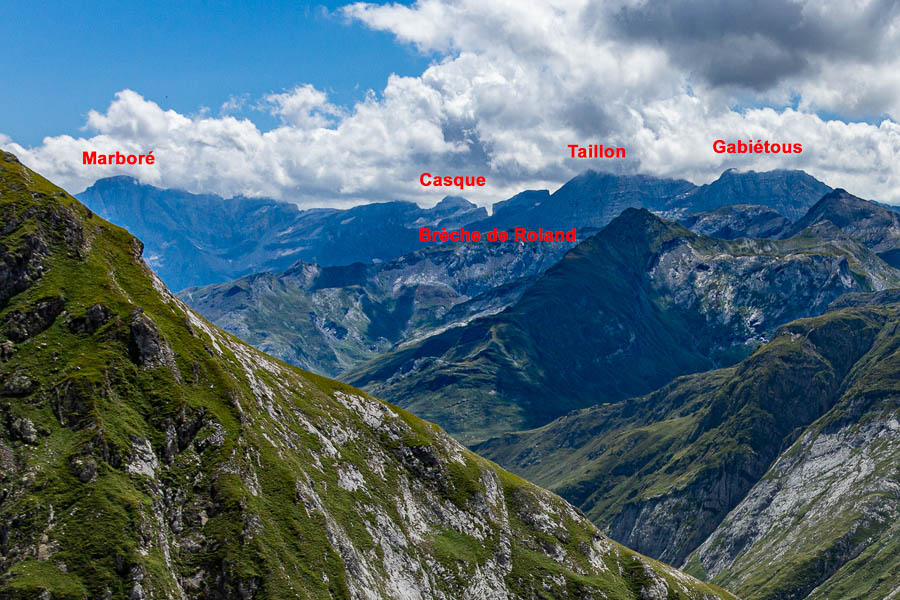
147 454
661 472
623 313
824 521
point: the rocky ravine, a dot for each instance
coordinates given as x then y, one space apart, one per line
147 454
824 521
776 477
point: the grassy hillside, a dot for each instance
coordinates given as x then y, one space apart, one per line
147 454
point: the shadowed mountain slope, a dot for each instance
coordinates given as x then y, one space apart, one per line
790 193
624 312
872 224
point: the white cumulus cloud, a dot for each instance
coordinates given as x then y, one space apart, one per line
516 82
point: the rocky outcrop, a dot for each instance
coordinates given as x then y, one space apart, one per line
734 221
93 319
147 347
19 269
17 383
23 325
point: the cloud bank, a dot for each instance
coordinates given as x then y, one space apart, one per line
516 82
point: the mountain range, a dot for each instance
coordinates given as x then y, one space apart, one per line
710 375
330 319
147 454
623 313
193 240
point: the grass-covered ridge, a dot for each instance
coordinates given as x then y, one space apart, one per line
145 453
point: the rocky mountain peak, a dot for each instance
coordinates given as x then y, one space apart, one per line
454 202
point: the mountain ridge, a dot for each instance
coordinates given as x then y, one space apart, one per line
632 300
203 239
146 453
329 319
194 238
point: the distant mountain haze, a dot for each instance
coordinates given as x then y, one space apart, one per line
193 239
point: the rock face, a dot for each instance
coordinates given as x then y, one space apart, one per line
201 239
244 477
741 220
592 200
643 301
776 478
330 319
588 202
790 193
824 522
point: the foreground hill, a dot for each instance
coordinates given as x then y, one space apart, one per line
776 477
624 312
200 239
147 454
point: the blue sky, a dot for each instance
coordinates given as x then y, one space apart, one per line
493 88
62 59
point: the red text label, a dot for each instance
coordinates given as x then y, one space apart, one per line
756 147
92 158
460 181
